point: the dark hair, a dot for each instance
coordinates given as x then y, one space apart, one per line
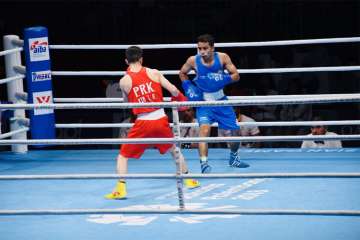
206 38
133 54
318 118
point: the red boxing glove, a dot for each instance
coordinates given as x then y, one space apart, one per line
180 98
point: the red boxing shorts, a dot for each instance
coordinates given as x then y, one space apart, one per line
159 128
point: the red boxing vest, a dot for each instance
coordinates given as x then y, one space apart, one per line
143 90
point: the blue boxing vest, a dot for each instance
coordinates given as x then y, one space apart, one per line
203 70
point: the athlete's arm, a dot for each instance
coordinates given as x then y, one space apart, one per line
186 68
168 85
192 92
176 95
125 86
157 76
230 67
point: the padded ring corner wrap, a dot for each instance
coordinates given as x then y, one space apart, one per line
39 84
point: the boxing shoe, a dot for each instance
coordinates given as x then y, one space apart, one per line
118 193
235 161
205 167
191 183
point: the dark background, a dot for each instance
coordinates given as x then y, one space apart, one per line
151 21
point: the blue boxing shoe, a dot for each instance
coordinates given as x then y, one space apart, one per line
205 167
235 161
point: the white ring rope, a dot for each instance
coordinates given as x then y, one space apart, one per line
241 124
97 125
167 99
182 211
21 121
330 98
10 51
231 44
181 176
110 141
303 69
9 79
9 134
23 96
176 72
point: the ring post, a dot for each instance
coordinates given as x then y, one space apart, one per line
14 87
39 84
179 181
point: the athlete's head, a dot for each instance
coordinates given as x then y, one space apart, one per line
188 115
205 44
318 129
133 55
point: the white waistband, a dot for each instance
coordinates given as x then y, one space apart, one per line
157 114
213 95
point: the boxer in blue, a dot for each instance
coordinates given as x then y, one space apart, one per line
208 85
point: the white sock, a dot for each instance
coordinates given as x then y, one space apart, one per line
203 160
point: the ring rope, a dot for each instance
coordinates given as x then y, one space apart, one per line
110 141
25 122
9 79
176 72
181 176
330 98
231 44
241 124
9 134
182 211
10 51
167 99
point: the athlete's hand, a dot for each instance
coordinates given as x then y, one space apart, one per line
192 92
213 82
180 98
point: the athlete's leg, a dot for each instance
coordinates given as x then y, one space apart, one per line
234 146
234 154
203 148
205 119
122 165
226 119
119 191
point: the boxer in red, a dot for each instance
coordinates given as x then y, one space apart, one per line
144 85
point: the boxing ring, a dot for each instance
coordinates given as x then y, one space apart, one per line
286 193
160 194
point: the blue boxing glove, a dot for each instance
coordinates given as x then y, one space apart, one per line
192 92
213 82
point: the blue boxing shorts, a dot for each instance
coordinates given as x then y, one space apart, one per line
223 115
